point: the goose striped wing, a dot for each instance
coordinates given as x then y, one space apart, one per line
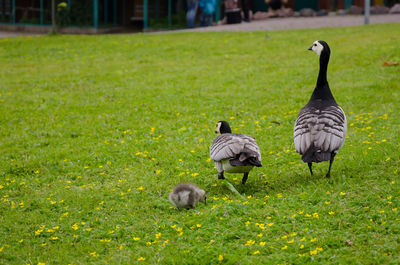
325 129
228 145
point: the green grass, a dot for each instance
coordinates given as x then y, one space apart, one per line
96 130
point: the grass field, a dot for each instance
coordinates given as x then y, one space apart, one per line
96 130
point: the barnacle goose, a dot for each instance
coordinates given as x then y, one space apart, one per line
186 195
321 126
234 153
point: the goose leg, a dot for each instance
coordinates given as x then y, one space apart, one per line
245 176
310 167
221 175
328 175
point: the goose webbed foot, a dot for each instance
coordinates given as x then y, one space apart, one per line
221 175
310 167
245 176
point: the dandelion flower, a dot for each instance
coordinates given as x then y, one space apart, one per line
220 258
284 247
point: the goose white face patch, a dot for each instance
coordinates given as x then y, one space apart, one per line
217 130
317 47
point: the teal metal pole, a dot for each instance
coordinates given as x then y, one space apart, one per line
69 4
41 12
145 14
96 13
115 13
367 5
218 11
105 11
13 12
169 13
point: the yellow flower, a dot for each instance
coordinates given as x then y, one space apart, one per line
140 188
270 224
220 258
262 243
250 242
158 235
284 247
331 213
301 246
303 239
313 252
75 226
291 241
342 193
136 238
158 171
327 203
256 252
41 263
141 259
195 174
198 225
313 240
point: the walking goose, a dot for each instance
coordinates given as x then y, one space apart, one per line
234 153
321 126
187 195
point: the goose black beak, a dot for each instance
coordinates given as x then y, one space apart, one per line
310 49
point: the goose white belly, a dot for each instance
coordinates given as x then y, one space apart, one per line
224 165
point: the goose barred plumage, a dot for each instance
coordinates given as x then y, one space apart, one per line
321 126
234 153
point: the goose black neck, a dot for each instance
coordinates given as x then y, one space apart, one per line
323 67
322 90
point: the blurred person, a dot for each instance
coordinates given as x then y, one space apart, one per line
245 7
191 12
207 11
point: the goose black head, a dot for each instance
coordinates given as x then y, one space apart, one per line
320 47
223 127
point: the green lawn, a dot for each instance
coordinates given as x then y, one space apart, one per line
96 130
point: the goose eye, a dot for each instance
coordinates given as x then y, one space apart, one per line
315 44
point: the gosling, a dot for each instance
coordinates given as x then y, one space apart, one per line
187 195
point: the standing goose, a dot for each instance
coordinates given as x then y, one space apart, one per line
234 153
320 128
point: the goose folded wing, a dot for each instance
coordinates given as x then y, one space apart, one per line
305 129
226 146
333 133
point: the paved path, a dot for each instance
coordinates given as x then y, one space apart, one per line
9 34
301 23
